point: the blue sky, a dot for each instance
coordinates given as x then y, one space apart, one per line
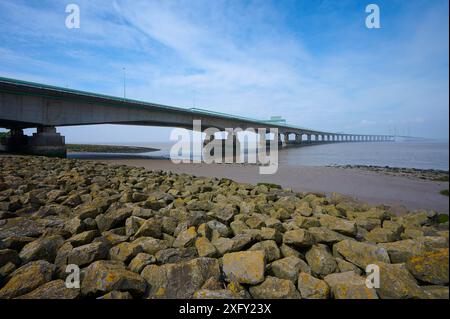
312 62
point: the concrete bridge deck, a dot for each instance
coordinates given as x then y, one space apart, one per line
34 105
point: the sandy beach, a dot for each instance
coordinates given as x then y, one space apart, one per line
371 187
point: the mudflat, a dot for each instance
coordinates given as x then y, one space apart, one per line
372 187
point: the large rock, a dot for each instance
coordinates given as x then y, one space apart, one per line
104 276
83 238
205 248
298 238
53 290
41 249
401 251
340 225
396 282
324 235
216 294
186 238
140 262
113 218
246 267
311 287
431 267
361 254
124 252
275 288
152 245
181 280
383 235
86 254
348 285
270 248
27 278
289 268
151 228
320 260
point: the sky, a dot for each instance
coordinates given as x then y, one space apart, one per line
315 63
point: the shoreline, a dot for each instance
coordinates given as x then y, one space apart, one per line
374 188
154 234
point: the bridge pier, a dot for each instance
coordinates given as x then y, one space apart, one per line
45 142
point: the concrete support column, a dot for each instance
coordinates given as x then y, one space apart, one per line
46 142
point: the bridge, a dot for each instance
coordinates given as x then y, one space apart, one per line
33 105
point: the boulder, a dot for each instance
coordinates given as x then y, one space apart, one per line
246 267
124 252
27 278
270 248
321 260
396 282
9 256
361 254
340 225
180 280
139 262
205 248
298 238
431 267
55 289
86 254
104 276
401 251
348 285
311 287
41 249
275 288
150 228
289 268
113 218
186 238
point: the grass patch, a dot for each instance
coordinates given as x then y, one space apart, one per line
82 148
444 192
441 179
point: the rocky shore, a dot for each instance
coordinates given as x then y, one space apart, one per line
423 174
136 233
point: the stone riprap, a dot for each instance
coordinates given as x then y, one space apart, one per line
135 233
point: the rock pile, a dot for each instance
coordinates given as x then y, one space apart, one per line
150 234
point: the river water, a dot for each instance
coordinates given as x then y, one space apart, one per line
421 155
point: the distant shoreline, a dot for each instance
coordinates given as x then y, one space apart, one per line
91 148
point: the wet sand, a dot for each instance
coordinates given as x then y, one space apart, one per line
371 187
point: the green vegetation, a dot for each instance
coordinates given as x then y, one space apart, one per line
82 148
442 218
444 192
441 179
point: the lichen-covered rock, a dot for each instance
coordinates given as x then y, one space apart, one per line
348 285
245 267
401 251
205 248
270 248
431 267
138 263
124 252
117 295
275 288
298 238
216 294
86 254
186 238
151 228
397 283
41 249
289 268
311 287
361 254
320 260
113 218
27 278
83 238
180 280
340 225
53 290
104 276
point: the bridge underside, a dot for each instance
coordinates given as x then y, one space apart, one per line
30 105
